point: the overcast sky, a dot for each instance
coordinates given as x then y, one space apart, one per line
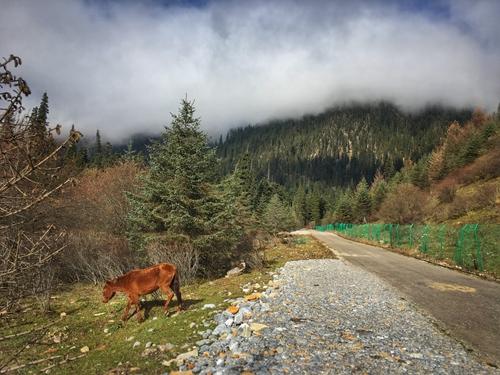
123 66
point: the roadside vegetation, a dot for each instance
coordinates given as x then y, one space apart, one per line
80 327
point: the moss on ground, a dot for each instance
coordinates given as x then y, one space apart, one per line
87 322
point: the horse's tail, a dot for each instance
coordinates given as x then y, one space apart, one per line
176 287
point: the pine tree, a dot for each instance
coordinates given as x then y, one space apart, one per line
239 190
300 205
362 202
278 216
179 201
378 190
43 111
344 210
314 207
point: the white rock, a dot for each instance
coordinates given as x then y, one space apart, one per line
136 344
245 330
182 357
229 322
234 347
148 344
165 347
192 325
208 306
85 349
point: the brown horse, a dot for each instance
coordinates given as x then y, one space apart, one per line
139 282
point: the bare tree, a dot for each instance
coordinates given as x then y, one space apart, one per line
31 165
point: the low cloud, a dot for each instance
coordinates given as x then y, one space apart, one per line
123 67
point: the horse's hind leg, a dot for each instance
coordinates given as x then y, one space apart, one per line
166 289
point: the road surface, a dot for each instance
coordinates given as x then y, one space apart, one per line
468 307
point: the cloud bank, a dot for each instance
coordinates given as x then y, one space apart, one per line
123 67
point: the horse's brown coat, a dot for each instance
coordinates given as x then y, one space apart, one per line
139 282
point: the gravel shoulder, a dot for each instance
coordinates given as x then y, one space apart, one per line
328 316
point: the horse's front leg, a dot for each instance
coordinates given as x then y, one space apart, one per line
137 303
127 309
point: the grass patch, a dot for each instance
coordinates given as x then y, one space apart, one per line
88 322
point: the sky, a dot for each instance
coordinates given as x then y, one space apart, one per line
123 66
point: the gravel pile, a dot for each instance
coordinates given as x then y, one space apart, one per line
326 316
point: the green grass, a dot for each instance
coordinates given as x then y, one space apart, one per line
89 322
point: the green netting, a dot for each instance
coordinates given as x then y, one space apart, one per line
471 246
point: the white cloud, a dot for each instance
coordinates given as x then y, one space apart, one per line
123 66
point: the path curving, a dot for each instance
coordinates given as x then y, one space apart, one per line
466 305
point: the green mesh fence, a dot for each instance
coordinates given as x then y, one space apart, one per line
471 246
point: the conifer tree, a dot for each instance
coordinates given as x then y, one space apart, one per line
362 202
278 216
300 205
344 210
97 157
178 201
378 190
314 207
43 111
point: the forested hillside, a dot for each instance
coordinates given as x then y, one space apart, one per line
341 146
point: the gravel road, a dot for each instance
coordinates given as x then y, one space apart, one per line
330 317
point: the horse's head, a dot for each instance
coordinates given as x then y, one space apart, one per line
107 292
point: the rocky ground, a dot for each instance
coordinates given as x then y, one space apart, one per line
327 316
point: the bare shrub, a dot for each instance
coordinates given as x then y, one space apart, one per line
27 265
95 257
182 254
405 205
98 200
458 207
485 196
31 172
446 190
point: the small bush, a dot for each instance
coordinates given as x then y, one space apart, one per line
95 257
182 254
446 191
406 204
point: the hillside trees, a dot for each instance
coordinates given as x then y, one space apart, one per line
31 171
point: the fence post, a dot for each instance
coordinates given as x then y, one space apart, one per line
411 236
424 244
458 256
441 240
479 255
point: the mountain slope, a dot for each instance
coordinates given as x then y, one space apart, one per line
339 146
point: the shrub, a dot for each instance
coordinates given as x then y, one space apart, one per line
185 257
446 191
406 204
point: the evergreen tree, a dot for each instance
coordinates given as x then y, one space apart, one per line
262 194
314 207
378 190
300 205
43 111
178 201
344 210
419 173
239 190
362 202
278 216
97 157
